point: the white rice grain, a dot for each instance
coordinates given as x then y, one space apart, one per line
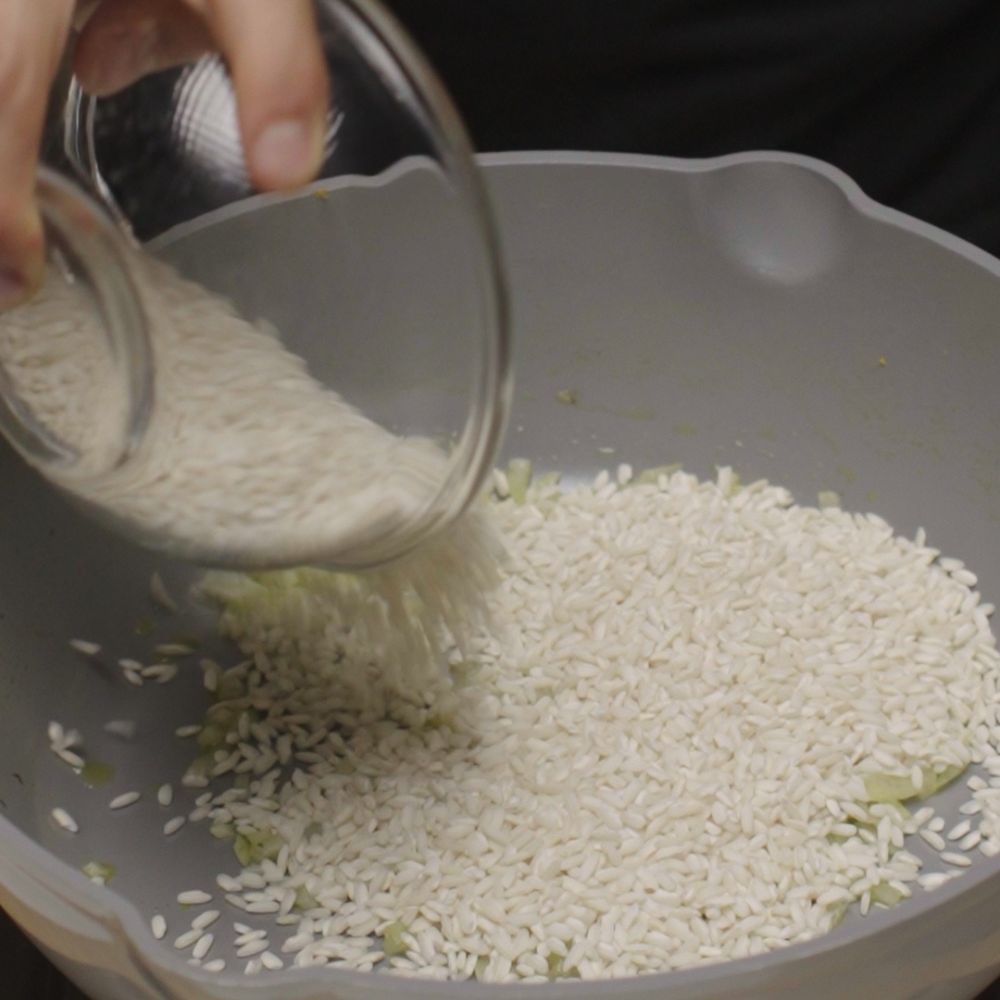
122 728
124 800
203 946
161 673
251 948
935 840
205 919
187 939
959 830
970 840
934 880
63 820
194 897
160 595
952 858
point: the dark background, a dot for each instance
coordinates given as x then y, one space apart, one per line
903 95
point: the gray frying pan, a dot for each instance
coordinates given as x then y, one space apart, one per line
755 310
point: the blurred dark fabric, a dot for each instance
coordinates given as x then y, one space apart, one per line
27 973
903 95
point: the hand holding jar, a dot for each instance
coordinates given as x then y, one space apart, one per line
275 61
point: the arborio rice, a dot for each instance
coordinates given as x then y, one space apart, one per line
687 738
246 454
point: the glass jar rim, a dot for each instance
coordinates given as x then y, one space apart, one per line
84 244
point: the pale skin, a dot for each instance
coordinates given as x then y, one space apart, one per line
272 50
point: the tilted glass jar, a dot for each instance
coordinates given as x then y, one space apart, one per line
384 275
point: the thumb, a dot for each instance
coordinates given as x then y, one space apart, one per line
34 35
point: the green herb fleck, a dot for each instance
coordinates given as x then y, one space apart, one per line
837 913
305 900
556 969
392 940
212 737
885 894
99 871
231 687
896 788
253 846
96 774
519 479
650 477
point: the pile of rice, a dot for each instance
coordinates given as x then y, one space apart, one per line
687 737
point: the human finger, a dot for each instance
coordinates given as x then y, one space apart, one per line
282 90
32 38
124 40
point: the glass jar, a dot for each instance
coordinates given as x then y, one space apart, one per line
88 271
383 275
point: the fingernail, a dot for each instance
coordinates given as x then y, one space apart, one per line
285 154
13 287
